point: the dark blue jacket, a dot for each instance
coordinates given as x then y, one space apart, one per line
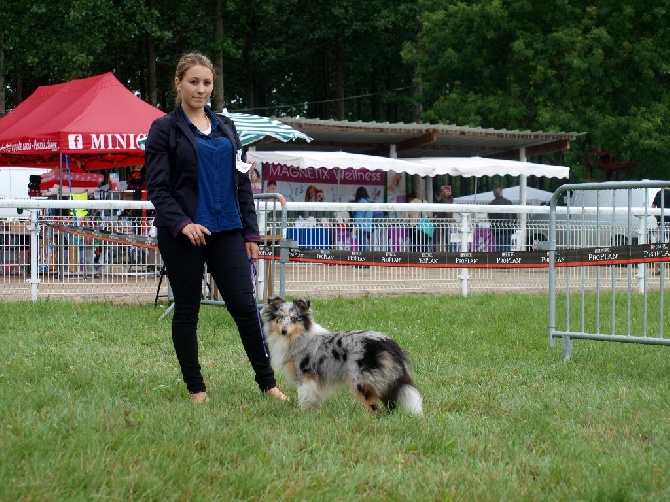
662 199
171 160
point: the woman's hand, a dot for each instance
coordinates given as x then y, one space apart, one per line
196 233
252 250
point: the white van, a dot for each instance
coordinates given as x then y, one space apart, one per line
14 185
588 228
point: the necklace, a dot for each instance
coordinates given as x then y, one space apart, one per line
208 125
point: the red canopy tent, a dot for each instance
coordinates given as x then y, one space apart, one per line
96 122
74 180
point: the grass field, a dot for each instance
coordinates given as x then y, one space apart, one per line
93 408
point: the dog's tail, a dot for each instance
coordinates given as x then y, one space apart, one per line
410 399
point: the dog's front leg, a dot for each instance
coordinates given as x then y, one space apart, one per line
309 395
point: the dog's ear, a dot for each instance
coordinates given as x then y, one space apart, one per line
301 304
276 301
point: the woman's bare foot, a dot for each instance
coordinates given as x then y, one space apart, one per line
275 393
199 397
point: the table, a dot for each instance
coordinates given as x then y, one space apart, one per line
14 251
310 237
398 238
342 238
484 240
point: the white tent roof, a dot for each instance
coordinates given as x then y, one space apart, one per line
425 166
341 160
482 166
534 196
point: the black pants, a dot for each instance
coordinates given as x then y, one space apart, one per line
227 261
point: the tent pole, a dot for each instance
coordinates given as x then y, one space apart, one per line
523 182
338 174
60 175
430 196
393 153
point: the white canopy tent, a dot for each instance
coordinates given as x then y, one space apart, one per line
338 160
481 166
425 166
534 196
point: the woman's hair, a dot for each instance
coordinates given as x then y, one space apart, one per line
310 194
188 61
361 193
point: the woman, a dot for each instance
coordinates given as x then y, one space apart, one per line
205 214
422 226
310 194
362 220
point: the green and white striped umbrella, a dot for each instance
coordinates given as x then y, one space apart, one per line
253 128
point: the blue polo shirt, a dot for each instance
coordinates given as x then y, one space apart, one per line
216 208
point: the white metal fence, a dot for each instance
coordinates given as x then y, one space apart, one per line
631 310
43 255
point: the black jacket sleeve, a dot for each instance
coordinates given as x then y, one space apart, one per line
162 181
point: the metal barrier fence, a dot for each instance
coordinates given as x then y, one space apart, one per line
322 254
106 250
613 308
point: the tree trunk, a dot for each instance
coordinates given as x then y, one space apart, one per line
218 101
152 84
339 71
3 107
418 107
247 55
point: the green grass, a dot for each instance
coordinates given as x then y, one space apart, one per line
93 408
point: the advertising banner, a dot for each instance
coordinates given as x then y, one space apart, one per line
319 185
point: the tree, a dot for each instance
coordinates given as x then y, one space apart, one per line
279 57
556 65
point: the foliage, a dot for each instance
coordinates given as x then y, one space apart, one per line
597 68
558 66
93 408
278 54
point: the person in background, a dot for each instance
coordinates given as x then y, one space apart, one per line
445 222
205 215
310 194
502 223
314 194
662 199
271 187
423 228
256 182
362 220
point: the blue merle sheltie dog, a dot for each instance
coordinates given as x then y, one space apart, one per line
318 361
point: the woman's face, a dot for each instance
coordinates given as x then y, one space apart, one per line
196 87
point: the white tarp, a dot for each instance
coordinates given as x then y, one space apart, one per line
338 160
481 166
534 196
424 166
